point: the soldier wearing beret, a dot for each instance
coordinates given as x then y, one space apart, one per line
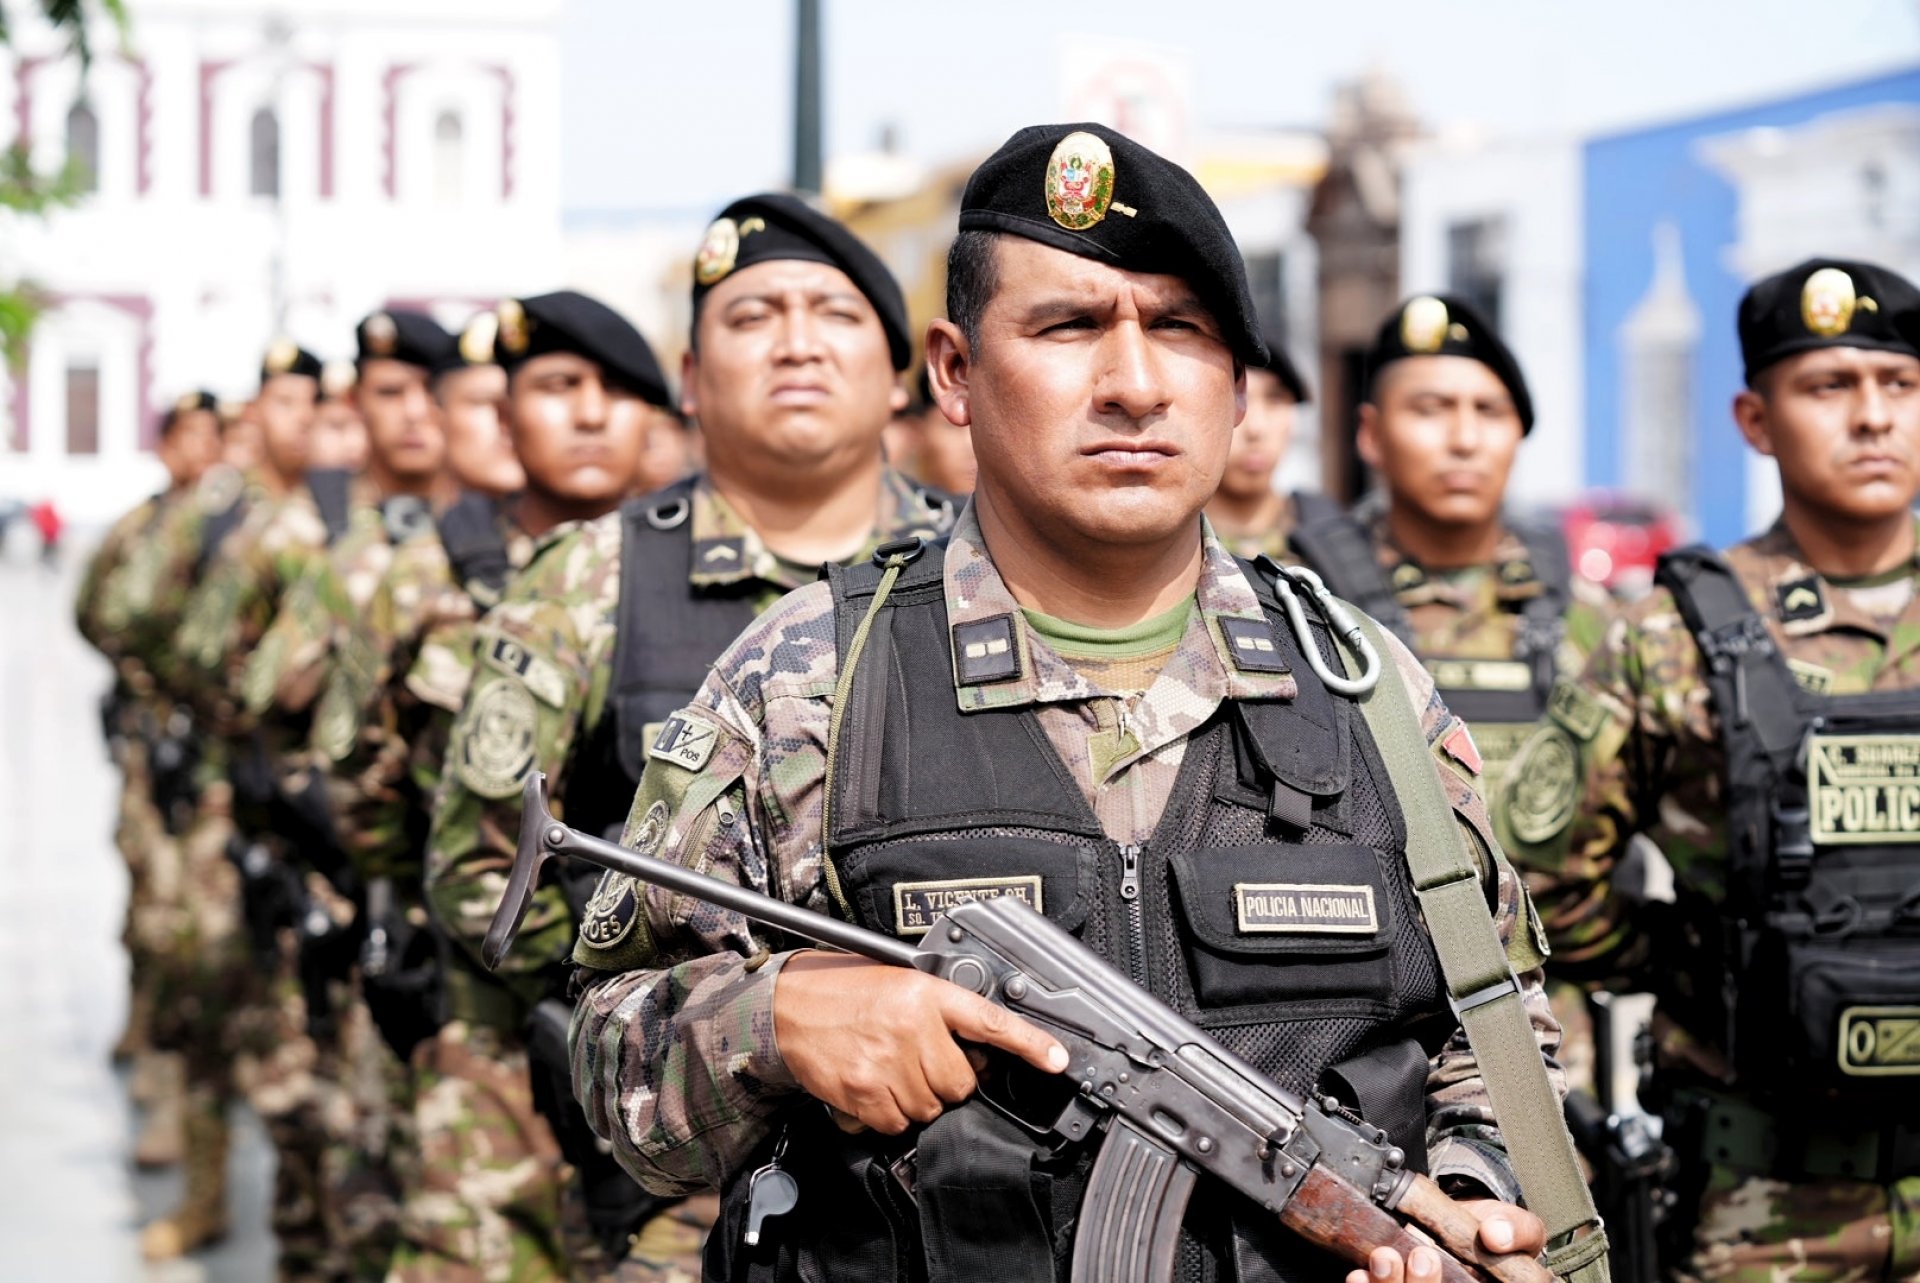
1059 710
1251 518
1756 717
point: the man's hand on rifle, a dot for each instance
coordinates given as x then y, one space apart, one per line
878 1043
1504 1229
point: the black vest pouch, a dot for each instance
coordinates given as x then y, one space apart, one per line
984 1206
1387 1087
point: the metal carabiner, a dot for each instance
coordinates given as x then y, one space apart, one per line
1340 621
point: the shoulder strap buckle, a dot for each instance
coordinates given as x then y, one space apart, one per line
1340 622
669 514
908 551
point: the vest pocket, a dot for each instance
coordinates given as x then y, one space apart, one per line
901 887
1280 923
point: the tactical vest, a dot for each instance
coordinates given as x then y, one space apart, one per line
475 546
1817 937
1501 699
1272 906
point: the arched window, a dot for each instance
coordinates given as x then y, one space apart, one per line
449 158
264 151
83 146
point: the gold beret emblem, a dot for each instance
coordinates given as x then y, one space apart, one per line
1827 302
1079 181
337 378
719 250
281 355
512 325
1424 324
476 341
188 402
381 334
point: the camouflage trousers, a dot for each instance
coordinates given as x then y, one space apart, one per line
142 838
1756 1230
496 1203
331 1108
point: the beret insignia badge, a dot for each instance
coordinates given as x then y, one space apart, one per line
476 341
337 379
1828 301
1079 181
381 334
281 356
511 325
188 402
1424 324
718 252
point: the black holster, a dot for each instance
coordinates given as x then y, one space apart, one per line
616 1205
173 759
401 974
327 954
271 897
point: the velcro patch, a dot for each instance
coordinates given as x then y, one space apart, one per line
1461 748
1575 707
1543 786
1481 674
686 741
1304 908
1863 789
1880 1042
1801 600
1812 677
985 650
541 676
611 911
1250 642
917 904
497 750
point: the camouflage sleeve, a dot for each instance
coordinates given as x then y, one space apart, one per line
533 683
1465 1151
284 672
88 601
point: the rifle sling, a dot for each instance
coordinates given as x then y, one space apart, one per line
1483 988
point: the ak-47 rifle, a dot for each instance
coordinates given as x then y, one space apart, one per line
1172 1102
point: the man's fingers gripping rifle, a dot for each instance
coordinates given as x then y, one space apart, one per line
1171 1102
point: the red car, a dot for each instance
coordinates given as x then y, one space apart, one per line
1616 539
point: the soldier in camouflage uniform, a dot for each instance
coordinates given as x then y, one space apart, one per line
799 334
1787 1079
1489 605
137 717
582 388
1051 682
1251 518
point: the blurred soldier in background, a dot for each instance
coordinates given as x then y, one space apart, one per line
339 433
1248 516
1756 717
925 446
673 450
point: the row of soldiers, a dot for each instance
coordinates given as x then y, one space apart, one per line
336 687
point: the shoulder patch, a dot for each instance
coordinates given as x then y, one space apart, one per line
1460 747
1574 707
1812 677
611 911
1801 600
685 741
1543 785
541 676
497 751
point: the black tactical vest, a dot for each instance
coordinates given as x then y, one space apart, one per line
476 547
1280 809
1818 934
1502 699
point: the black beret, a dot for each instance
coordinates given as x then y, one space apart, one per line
775 225
284 356
401 335
199 399
1825 302
568 321
1089 190
475 345
1281 366
1442 325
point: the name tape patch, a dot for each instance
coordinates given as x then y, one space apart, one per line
1481 674
1879 1042
917 904
1864 788
685 741
541 676
1304 908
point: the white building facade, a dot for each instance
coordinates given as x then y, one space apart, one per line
255 173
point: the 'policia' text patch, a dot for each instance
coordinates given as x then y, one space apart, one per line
1303 908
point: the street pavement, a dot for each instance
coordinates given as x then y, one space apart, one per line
70 1201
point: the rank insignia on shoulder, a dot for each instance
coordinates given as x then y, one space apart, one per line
985 650
685 741
1516 572
1575 708
1407 576
541 676
1250 642
1801 600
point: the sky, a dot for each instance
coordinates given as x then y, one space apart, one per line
673 108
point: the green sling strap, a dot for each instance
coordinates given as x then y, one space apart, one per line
1482 986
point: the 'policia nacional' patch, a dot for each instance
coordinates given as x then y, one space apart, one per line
1880 1042
611 911
917 904
1302 908
1812 677
1543 785
686 741
497 752
541 676
1864 788
1481 674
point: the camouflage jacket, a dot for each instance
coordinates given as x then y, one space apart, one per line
685 1098
230 609
99 616
399 676
1633 747
544 660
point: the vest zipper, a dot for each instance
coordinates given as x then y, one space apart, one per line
1136 932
